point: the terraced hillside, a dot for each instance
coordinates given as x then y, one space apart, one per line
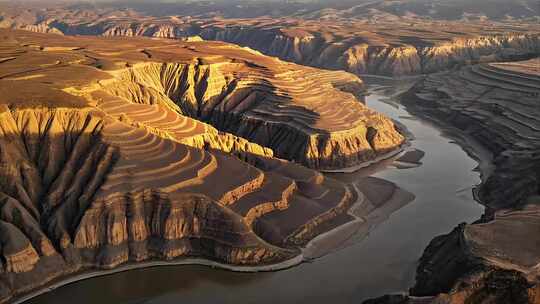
106 160
352 9
284 110
360 40
495 260
392 48
498 105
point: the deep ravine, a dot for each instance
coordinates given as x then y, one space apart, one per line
380 258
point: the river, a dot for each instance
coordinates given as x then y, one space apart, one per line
383 262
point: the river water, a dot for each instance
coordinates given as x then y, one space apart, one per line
383 262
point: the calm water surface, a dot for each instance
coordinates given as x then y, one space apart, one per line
384 262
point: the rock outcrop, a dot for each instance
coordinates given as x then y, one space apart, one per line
357 55
263 105
494 260
360 46
106 159
496 104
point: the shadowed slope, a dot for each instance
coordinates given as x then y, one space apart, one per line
278 105
495 260
105 165
364 39
291 117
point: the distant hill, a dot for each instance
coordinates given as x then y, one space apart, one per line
438 9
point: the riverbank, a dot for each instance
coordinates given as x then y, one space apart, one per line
469 144
403 95
185 261
493 115
379 258
398 151
315 248
386 198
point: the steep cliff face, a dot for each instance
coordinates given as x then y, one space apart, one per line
497 107
106 161
265 109
496 259
349 55
493 262
38 182
352 54
70 203
481 49
363 58
395 47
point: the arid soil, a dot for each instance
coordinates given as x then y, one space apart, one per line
361 40
106 157
495 260
108 144
483 10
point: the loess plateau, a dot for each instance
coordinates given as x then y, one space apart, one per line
496 259
363 39
118 151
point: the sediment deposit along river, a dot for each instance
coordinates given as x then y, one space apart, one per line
383 262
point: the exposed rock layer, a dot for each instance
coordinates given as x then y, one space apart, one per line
105 163
363 46
262 105
496 259
366 55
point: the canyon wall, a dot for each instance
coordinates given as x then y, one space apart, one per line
364 58
107 161
68 204
398 47
494 260
268 110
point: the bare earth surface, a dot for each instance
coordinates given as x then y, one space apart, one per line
495 260
378 37
106 161
119 150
